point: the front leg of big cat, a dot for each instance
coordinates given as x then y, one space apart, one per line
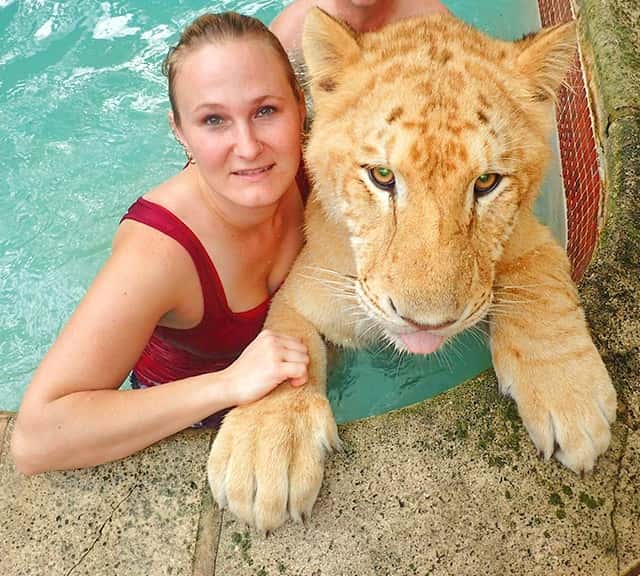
267 460
543 353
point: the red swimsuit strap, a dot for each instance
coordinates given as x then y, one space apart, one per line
163 220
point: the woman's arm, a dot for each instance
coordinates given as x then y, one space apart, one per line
72 414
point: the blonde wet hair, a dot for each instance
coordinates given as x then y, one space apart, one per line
217 28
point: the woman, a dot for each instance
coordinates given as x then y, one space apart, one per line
184 294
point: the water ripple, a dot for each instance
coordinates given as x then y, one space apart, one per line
109 27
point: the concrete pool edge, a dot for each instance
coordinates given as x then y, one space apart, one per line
611 286
610 39
415 490
612 59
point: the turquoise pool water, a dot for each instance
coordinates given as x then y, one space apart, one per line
84 132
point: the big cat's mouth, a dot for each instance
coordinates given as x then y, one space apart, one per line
422 341
409 336
406 336
427 341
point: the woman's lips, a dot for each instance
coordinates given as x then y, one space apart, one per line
253 173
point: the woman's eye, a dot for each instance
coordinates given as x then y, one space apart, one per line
486 183
214 120
265 111
382 177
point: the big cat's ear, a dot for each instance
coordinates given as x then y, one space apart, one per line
546 58
328 47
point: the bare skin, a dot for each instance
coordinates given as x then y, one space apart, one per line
361 15
241 201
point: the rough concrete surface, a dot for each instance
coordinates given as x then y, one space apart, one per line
4 422
626 514
611 292
611 287
138 516
451 486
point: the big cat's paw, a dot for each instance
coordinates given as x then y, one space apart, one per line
568 410
267 461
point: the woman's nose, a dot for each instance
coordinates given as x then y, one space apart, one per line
247 143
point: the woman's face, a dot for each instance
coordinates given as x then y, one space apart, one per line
240 120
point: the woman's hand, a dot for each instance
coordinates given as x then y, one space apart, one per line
268 361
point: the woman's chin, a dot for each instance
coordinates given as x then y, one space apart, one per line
258 197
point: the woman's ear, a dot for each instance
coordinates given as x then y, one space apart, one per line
174 128
177 134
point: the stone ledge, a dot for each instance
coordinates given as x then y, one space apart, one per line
622 153
611 286
4 424
611 38
448 486
135 517
626 513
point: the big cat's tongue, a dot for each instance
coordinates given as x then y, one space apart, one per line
422 342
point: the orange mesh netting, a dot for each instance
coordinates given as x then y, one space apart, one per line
578 153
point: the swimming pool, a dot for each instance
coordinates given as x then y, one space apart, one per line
84 132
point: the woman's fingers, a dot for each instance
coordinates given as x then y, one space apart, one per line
285 340
294 365
289 355
296 373
295 382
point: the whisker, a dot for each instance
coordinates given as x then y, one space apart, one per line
454 346
479 331
510 300
513 311
329 271
368 330
442 355
506 307
477 338
518 286
344 285
504 314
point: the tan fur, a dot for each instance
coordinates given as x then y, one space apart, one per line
439 104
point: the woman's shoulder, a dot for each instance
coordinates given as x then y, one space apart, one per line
141 237
173 193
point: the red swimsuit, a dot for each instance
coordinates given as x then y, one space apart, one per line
173 354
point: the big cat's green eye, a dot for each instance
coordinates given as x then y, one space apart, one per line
486 183
382 177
